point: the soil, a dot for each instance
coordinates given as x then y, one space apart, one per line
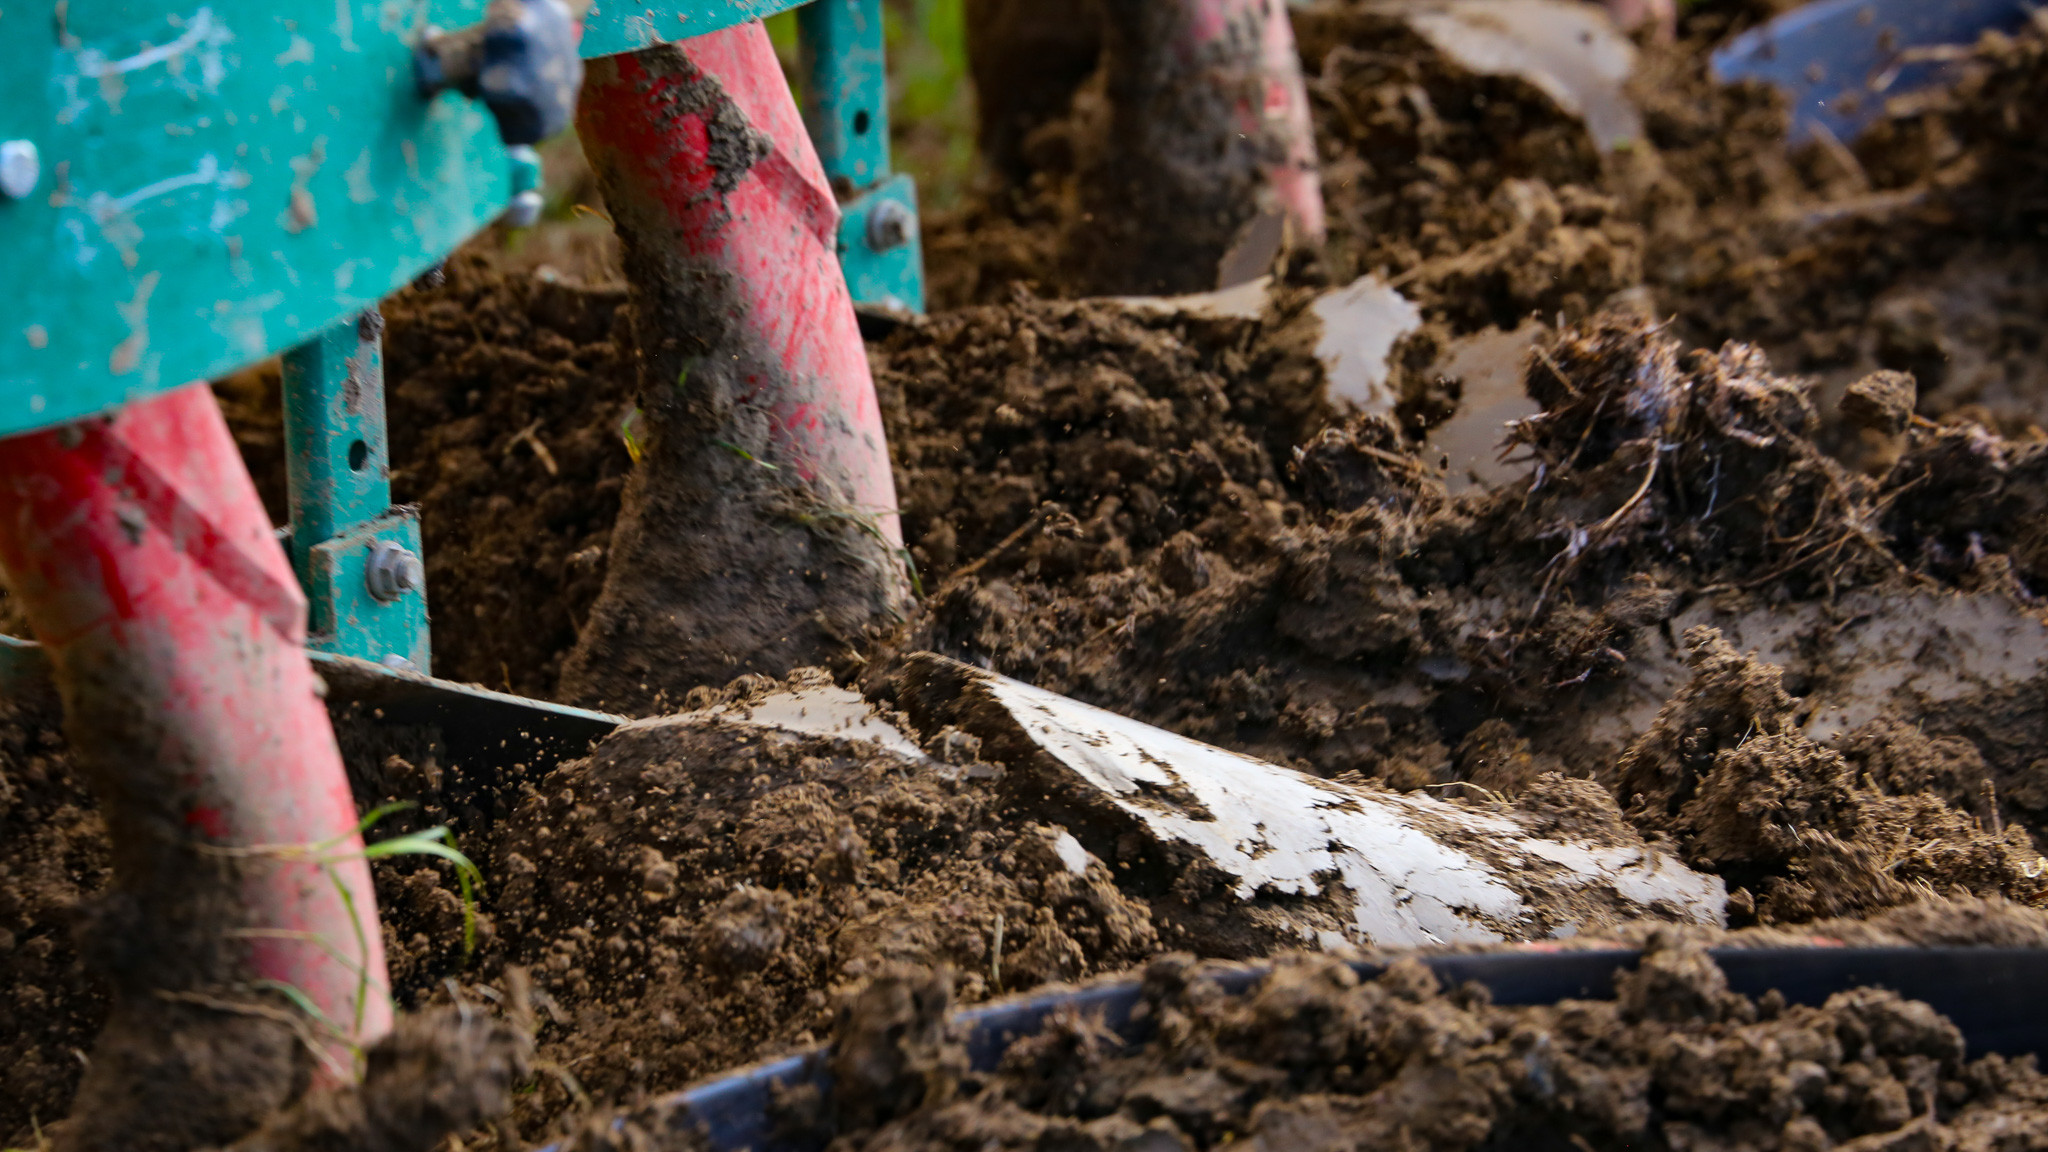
1089 425
438 1075
706 930
1918 249
1357 619
1702 558
53 856
55 867
508 397
1313 1057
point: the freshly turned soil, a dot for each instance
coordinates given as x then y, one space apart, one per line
1920 249
1313 1057
1164 517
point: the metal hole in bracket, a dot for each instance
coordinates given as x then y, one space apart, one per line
358 455
860 122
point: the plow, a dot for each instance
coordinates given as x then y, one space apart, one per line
186 192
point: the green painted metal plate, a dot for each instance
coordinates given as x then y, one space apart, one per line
343 617
892 277
221 180
628 25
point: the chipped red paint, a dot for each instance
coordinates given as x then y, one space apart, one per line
143 558
773 232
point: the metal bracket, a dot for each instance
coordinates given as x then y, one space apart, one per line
846 107
338 465
879 247
349 617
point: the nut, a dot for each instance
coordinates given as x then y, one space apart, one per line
392 571
891 223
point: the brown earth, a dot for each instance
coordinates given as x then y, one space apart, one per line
707 929
1159 516
1919 249
1231 611
1313 1057
53 857
62 940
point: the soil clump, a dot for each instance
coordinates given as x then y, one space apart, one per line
1313 1057
437 1075
1355 618
53 857
688 896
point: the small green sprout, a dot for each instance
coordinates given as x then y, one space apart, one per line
626 434
743 454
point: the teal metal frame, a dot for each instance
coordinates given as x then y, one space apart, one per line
338 462
846 107
298 180
200 184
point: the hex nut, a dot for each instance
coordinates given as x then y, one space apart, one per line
891 224
392 571
21 168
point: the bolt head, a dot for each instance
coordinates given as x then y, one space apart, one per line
530 70
392 571
891 223
524 211
21 168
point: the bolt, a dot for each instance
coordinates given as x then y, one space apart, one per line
392 571
524 211
20 168
890 225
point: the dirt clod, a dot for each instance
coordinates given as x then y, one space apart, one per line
437 1075
1313 1057
688 896
1881 402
